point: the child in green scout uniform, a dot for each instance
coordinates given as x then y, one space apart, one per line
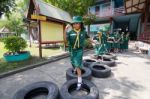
101 39
116 43
108 44
122 42
76 38
112 39
126 41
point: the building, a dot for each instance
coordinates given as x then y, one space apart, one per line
5 32
129 15
46 23
50 27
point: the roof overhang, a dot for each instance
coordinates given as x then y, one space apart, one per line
52 13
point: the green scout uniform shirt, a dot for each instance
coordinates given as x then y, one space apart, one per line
71 38
126 40
116 44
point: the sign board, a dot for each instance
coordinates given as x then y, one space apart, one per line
51 31
38 17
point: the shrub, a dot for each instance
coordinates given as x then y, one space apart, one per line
2 39
15 44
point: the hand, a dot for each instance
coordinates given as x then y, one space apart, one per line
68 27
95 42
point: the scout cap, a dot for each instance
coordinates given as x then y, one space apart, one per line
77 19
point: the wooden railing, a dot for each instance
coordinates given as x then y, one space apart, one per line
119 11
110 12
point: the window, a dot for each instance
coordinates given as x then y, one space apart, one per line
97 10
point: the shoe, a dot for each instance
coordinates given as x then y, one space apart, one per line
79 87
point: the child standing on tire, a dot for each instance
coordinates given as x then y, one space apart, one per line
76 38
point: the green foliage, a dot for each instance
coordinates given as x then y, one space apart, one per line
15 20
89 19
2 23
15 44
74 7
14 25
6 6
2 39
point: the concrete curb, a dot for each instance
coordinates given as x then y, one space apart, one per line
52 59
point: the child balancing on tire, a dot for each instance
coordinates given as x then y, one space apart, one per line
76 38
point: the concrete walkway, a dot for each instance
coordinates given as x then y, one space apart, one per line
130 79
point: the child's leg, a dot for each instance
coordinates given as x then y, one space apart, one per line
79 78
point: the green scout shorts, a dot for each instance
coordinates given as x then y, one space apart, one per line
76 57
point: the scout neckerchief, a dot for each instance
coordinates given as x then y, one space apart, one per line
77 38
99 37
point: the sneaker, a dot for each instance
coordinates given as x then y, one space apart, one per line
79 87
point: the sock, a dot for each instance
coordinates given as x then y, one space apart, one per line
79 81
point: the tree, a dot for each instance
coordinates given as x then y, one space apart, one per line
88 20
74 7
15 20
14 25
6 6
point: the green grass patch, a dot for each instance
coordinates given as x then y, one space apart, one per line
2 49
6 66
48 52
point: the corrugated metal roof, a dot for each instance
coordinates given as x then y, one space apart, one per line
52 11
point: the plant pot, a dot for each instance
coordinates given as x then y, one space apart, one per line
17 57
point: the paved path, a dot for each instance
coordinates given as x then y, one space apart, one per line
130 79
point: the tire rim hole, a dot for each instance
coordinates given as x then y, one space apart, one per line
98 67
39 93
104 59
82 92
88 60
82 72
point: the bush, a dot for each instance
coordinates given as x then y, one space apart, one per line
2 39
15 44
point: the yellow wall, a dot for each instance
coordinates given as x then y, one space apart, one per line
51 31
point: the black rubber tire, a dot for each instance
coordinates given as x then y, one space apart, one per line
100 70
106 61
100 57
28 91
65 89
88 62
86 75
110 55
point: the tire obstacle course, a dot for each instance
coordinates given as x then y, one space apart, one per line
97 67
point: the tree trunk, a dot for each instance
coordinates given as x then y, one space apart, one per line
88 29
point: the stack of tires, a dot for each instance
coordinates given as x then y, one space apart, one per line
100 65
88 90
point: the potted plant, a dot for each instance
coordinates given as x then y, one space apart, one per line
15 46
